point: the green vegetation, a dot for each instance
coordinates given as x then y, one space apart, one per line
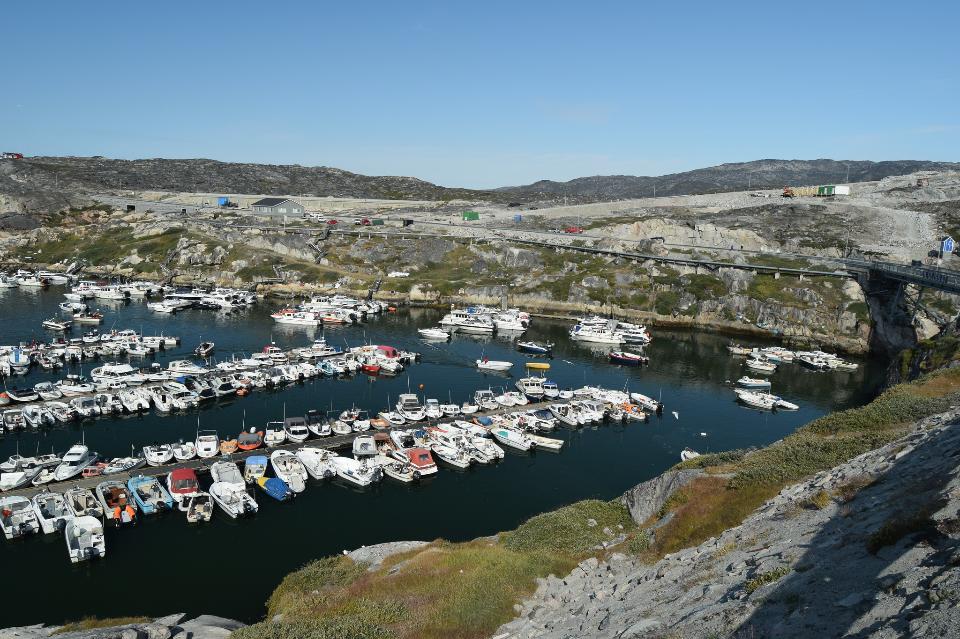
569 530
92 623
782 262
818 501
108 247
666 302
860 309
944 305
704 287
900 526
766 578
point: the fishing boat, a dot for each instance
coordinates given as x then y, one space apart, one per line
487 364
317 461
82 502
117 503
625 358
234 500
182 484
254 467
74 461
207 444
687 454
434 333
753 382
199 507
158 454
276 488
287 467
85 539
150 495
535 348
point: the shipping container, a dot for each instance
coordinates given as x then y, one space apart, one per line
223 201
376 222
517 218
470 216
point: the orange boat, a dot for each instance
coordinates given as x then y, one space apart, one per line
250 440
228 446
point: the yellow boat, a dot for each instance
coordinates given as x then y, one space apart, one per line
540 366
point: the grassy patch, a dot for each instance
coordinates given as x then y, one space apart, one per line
568 529
666 302
817 501
92 623
900 526
860 309
704 287
781 262
766 578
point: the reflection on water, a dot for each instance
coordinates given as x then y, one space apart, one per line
689 371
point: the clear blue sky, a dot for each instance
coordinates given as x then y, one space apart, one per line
487 93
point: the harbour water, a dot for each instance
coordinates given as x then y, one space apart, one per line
229 567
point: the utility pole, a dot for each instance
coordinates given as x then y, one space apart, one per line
848 173
654 189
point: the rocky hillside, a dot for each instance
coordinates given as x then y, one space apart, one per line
758 174
870 548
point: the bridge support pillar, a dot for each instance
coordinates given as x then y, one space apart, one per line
776 275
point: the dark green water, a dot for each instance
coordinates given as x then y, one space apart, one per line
230 567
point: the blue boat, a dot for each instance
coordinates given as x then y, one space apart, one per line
275 487
534 348
150 495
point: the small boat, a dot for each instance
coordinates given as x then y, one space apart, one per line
123 465
537 366
761 366
469 408
296 429
763 401
182 484
535 348
207 444
205 349
512 438
648 403
150 496
625 358
545 443
486 364
226 472
23 394
317 423
228 446
38 415
199 507
47 391
233 499
117 504
74 461
184 451
18 478
273 434
356 472
52 511
753 382
254 467
687 454
275 487
434 334
736 349
83 502
158 454
54 324
85 539
288 468
250 440
317 461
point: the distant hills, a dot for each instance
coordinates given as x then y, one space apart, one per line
39 184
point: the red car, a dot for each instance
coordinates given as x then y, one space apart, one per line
573 229
331 221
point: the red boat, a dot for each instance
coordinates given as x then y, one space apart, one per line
250 440
628 359
372 369
182 484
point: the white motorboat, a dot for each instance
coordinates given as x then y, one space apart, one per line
647 402
545 443
85 407
158 454
596 334
274 434
531 387
434 334
18 478
493 365
233 499
62 412
227 472
124 464
764 401
564 413
448 452
207 444
431 409
85 539
74 386
37 415
161 400
761 365
512 438
288 467
133 401
52 511
469 408
184 451
450 410
83 502
687 454
47 391
408 406
199 507
485 400
356 472
466 321
296 430
17 518
13 419
74 461
753 382
317 461
518 398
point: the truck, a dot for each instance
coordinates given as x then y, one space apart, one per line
11 155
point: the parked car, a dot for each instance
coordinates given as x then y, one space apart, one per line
573 229
331 221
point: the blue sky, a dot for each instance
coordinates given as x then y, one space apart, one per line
483 94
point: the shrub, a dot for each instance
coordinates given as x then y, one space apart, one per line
817 501
340 628
567 529
898 527
766 578
666 302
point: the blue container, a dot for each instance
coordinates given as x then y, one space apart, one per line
517 218
222 201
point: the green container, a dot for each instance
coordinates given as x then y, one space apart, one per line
470 216
376 222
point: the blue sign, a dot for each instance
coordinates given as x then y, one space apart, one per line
947 245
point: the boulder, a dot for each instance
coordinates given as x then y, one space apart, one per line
645 499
